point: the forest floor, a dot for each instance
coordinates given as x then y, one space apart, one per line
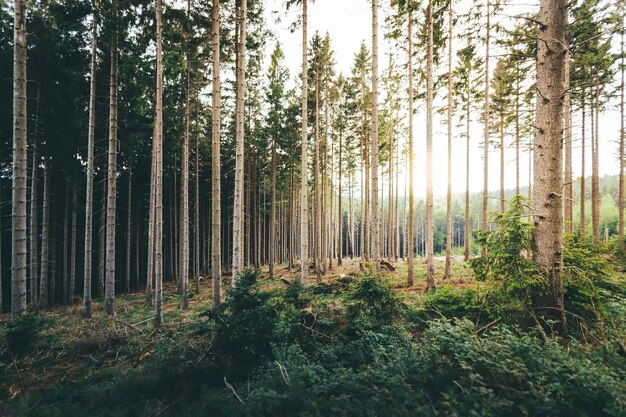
77 347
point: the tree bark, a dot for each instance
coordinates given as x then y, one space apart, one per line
158 174
18 207
583 193
109 288
72 288
45 241
87 272
620 227
548 159
184 178
238 215
304 216
567 140
485 207
430 224
374 149
128 227
446 274
411 220
216 246
34 224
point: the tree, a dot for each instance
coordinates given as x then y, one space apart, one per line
216 213
548 173
486 121
449 127
157 165
184 178
90 157
374 144
18 207
109 288
430 266
238 215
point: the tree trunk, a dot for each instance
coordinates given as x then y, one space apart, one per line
128 227
18 214
34 224
66 248
90 156
374 151
45 241
216 246
339 201
595 176
467 235
317 220
501 163
567 140
548 176
109 288
583 193
620 205
272 241
184 178
238 215
446 274
430 224
158 174
304 225
411 221
485 207
196 213
72 288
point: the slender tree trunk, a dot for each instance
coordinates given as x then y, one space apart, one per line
317 220
34 224
595 176
18 214
339 201
374 151
502 200
72 289
238 215
66 249
467 235
411 222
87 273
548 177
128 227
158 174
486 116
304 216
196 213
272 241
45 241
184 178
151 224
430 224
583 192
216 247
517 135
101 239
449 188
620 204
567 140
109 290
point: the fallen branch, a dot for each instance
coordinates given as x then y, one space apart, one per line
233 390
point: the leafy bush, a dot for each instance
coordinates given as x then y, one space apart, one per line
448 302
372 304
22 333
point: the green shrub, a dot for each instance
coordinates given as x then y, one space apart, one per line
23 332
449 302
372 303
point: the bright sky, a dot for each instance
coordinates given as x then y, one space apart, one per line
349 22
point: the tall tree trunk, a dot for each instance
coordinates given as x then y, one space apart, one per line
467 234
486 116
374 151
304 216
317 220
66 249
567 140
101 239
72 289
583 193
595 177
272 241
411 222
501 163
620 204
517 135
18 214
44 275
446 274
158 174
196 214
216 246
430 223
87 273
238 215
339 201
184 178
548 176
34 224
109 288
128 227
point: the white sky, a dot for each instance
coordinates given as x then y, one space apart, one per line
349 22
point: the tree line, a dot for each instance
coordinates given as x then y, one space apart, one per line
155 141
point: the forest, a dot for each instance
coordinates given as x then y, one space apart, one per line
243 208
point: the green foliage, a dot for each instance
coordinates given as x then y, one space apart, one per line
448 302
505 260
23 332
372 303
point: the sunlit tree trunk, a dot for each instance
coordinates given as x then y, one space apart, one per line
411 220
582 167
467 234
449 188
486 116
430 224
621 142
567 140
238 215
548 159
374 144
304 216
44 275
